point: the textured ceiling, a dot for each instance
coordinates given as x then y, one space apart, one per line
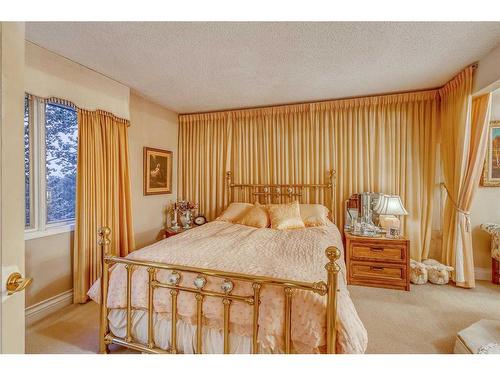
201 66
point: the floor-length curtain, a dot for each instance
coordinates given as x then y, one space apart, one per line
383 144
464 140
204 146
103 194
388 144
282 145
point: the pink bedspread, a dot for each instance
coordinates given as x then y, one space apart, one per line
290 254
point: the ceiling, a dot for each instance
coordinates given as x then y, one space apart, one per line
203 66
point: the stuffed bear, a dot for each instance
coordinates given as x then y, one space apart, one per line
418 272
438 273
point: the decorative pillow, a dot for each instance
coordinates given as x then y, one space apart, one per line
285 216
314 215
256 216
235 211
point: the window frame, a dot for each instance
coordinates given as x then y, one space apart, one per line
39 227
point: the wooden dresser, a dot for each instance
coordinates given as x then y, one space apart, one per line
379 262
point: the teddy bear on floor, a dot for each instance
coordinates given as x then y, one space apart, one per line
418 272
429 269
438 273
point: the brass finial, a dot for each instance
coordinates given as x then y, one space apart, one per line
332 253
104 233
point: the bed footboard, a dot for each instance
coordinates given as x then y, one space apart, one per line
328 289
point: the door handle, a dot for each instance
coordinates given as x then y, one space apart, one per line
16 283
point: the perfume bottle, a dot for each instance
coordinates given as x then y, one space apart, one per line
175 225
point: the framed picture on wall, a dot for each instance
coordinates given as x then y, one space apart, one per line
157 171
491 172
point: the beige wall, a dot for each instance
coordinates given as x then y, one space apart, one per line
485 208
49 262
49 74
151 126
49 259
488 75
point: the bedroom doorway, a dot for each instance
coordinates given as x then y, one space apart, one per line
12 326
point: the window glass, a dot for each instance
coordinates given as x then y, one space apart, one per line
61 144
27 162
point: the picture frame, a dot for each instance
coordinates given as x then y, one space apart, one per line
157 171
491 171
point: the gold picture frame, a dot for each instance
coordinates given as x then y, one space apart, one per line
491 171
157 171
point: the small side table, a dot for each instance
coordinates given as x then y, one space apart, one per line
378 261
169 232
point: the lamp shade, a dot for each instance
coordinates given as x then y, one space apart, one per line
380 203
390 205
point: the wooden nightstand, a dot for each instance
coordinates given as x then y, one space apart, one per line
169 232
379 262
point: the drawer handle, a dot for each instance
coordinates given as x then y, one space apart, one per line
372 268
377 249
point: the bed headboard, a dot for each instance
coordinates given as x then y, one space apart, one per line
321 193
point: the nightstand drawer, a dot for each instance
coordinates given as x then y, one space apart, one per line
377 272
377 253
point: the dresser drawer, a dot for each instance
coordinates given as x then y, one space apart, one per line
378 252
378 272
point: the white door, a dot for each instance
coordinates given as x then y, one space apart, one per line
12 186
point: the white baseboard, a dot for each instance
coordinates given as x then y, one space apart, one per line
44 308
482 273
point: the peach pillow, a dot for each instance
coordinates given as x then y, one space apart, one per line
234 212
285 216
314 215
256 216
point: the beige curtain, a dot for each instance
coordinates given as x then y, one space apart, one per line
204 145
103 194
383 144
464 125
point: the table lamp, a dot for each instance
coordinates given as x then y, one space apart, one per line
391 205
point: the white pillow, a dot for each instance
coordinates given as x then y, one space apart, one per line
234 212
314 215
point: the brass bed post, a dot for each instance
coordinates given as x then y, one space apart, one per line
227 304
199 322
173 332
255 329
104 242
229 187
151 280
129 268
288 320
332 269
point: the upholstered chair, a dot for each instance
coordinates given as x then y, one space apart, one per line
494 230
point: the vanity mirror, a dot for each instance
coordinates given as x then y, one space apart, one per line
372 214
361 216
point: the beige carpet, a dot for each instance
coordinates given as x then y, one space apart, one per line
424 320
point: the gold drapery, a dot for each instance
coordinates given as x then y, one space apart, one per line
384 144
103 194
464 125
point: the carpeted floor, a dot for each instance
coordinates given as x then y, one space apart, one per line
424 320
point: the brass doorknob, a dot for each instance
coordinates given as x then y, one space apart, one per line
16 283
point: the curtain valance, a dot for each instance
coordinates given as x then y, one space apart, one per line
69 103
314 106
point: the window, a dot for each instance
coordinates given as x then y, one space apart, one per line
50 153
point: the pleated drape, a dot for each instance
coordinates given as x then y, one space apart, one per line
103 195
464 125
382 144
204 147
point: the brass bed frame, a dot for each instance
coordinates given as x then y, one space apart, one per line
327 289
